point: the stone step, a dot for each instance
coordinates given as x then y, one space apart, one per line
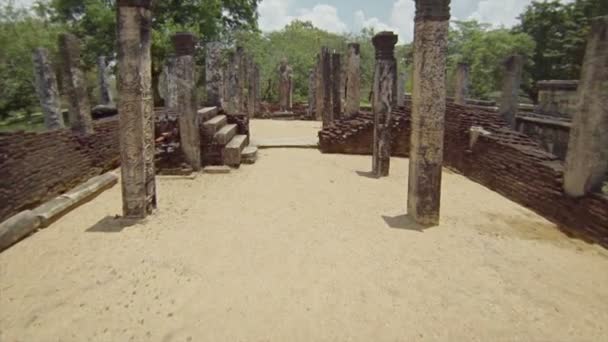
211 126
216 169
225 134
232 151
249 155
207 113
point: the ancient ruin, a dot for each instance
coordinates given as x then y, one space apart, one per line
510 91
285 85
105 95
353 80
462 84
213 74
46 87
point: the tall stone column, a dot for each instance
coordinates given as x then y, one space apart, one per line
587 158
105 95
336 85
353 80
252 87
401 88
312 92
285 78
385 75
47 90
213 74
319 86
324 88
461 91
75 84
233 92
136 108
239 65
171 101
258 87
510 89
428 110
184 45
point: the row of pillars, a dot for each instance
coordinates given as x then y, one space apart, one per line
236 86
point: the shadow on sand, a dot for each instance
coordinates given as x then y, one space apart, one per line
111 224
405 222
367 174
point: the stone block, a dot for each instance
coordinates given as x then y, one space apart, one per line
211 126
207 113
225 134
216 169
232 151
17 227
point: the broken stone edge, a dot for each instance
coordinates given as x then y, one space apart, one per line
27 222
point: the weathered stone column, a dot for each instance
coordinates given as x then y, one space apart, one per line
401 88
461 88
75 84
353 80
239 65
184 45
510 90
336 85
324 88
258 88
285 77
233 93
385 75
213 73
251 88
105 95
587 158
46 88
428 110
319 87
312 92
136 108
171 101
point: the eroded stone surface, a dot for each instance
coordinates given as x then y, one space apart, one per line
47 90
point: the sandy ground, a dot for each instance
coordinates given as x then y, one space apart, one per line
302 247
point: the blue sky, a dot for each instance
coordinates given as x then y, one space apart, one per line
395 15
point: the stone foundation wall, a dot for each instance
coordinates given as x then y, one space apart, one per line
506 161
552 133
36 167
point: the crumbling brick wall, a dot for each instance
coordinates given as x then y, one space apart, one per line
506 161
36 167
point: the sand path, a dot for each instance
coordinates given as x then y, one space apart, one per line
300 247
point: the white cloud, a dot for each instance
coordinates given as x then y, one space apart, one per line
402 17
275 14
362 22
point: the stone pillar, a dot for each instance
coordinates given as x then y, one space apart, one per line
213 74
428 110
233 93
324 104
105 95
336 85
385 74
251 85
46 88
312 92
171 101
401 88
318 110
136 108
239 69
75 84
285 79
461 89
184 45
510 90
353 80
587 157
258 87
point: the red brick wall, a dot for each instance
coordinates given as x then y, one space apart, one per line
506 161
36 167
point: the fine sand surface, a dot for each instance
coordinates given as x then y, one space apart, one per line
303 247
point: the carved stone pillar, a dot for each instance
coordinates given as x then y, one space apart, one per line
384 89
461 91
324 88
184 45
105 95
353 80
336 85
46 88
428 110
239 65
510 91
587 158
75 84
136 108
213 74
401 78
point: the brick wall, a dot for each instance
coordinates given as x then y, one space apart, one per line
36 167
506 161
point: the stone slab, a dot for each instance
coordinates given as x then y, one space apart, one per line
216 169
232 151
249 155
225 134
17 227
211 126
298 142
207 113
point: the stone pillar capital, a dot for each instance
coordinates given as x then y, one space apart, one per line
384 43
437 10
184 43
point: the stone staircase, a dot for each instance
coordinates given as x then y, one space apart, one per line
224 144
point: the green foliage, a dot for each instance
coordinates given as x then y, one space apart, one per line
560 32
20 33
484 49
